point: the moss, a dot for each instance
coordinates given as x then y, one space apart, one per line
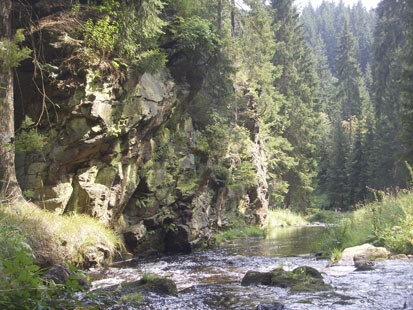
301 279
153 283
106 176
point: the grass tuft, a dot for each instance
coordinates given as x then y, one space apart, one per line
56 239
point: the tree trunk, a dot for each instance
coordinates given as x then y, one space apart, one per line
233 18
9 188
219 14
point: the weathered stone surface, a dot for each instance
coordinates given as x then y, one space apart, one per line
55 198
367 251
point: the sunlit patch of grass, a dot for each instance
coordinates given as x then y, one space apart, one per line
237 233
56 239
284 217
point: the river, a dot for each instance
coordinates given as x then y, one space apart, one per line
211 279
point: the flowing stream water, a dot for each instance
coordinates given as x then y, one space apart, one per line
211 279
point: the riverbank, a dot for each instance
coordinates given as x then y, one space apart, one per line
32 240
388 223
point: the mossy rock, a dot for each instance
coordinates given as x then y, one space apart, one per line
301 279
153 283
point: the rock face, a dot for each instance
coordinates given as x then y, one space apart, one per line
128 150
301 279
362 254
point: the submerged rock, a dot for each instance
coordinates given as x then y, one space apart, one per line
256 278
365 267
148 283
301 279
273 306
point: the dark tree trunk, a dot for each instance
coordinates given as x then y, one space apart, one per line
9 188
233 18
219 14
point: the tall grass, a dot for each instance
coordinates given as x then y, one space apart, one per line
284 217
56 239
388 223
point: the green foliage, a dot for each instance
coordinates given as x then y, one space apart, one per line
149 277
140 27
102 35
134 300
29 141
195 34
20 283
387 223
326 216
11 54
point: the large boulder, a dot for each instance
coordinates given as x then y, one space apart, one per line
362 254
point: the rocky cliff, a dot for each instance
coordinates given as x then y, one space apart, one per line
129 148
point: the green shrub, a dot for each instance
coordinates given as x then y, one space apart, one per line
29 141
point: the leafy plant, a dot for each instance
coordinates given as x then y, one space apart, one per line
11 54
29 141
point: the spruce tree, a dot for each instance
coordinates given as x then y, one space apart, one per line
338 168
297 85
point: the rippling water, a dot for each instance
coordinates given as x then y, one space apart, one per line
211 279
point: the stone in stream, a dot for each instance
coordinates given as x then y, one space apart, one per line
61 274
273 306
361 254
301 279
